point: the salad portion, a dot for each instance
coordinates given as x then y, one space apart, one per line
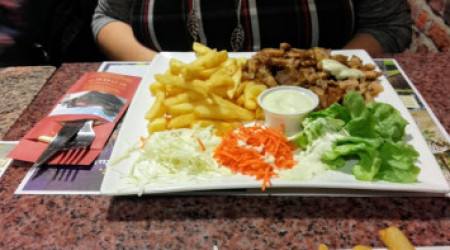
371 133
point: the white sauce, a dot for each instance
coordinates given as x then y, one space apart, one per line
287 101
340 71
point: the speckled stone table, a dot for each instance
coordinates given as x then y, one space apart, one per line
18 87
230 222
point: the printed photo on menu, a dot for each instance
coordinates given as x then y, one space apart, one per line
104 105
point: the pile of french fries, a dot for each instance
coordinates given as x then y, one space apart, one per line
207 91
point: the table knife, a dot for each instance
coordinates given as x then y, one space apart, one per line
67 132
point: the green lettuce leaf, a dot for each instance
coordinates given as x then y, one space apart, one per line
368 165
389 122
354 103
362 125
398 163
364 150
335 111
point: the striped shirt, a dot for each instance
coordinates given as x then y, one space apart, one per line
170 25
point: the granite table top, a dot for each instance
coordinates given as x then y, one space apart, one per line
18 87
228 222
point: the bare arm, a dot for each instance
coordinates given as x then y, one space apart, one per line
381 23
366 42
117 41
113 33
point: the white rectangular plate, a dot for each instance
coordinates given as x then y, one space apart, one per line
430 179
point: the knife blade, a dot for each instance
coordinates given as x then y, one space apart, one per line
67 132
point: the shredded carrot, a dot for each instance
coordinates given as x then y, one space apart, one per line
201 144
249 150
143 140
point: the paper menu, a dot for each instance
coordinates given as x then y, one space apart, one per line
101 96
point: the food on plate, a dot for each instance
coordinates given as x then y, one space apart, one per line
374 136
329 76
257 151
207 91
196 102
175 156
340 71
394 239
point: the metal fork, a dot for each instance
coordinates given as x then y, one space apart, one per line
84 137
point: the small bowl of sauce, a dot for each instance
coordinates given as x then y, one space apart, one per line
287 106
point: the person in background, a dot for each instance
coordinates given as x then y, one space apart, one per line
12 25
137 29
47 32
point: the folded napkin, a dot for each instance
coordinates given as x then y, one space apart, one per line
100 96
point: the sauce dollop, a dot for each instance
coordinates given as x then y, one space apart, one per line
339 70
287 101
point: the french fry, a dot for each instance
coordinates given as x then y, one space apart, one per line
158 124
211 111
220 79
239 112
394 239
250 104
241 61
204 123
187 96
154 87
182 121
192 71
229 67
220 126
241 100
251 93
169 79
158 108
204 74
241 87
213 58
180 109
200 49
259 113
237 79
174 90
201 87
224 127
361 247
177 99
176 66
323 247
221 91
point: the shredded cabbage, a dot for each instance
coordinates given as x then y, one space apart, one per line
176 156
309 163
